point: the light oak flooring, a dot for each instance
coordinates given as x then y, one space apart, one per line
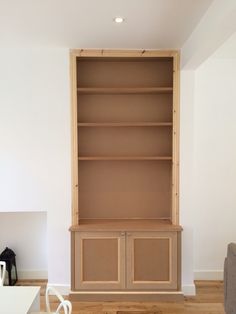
209 300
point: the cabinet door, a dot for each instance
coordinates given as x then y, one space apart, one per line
99 260
152 260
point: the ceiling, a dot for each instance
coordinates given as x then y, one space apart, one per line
150 24
228 49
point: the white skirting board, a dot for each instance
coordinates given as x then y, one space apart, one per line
189 290
62 289
208 275
32 274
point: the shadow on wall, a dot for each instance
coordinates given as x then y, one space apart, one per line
26 234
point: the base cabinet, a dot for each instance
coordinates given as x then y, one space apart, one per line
125 260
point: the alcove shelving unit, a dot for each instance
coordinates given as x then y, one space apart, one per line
125 233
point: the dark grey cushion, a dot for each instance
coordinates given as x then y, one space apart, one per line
230 280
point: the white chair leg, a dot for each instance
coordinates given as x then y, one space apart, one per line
2 272
65 304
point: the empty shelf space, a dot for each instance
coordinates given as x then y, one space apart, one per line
124 90
125 141
132 73
124 158
129 108
125 188
123 124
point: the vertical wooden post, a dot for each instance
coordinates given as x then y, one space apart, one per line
74 143
175 147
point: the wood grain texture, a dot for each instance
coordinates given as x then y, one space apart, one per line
74 141
138 312
209 300
101 53
72 260
179 260
175 142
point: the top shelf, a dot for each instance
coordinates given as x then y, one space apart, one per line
125 90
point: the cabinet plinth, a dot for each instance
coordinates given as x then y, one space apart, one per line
125 231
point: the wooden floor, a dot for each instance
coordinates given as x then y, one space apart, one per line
209 300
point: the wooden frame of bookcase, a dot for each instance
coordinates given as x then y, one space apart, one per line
175 129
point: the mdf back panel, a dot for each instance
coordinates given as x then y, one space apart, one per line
125 141
125 108
125 189
131 73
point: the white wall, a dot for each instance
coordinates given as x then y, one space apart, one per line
26 234
187 89
35 156
207 164
214 176
35 162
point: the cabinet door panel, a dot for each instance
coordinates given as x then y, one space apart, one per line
100 259
152 260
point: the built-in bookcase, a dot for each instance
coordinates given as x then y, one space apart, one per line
125 147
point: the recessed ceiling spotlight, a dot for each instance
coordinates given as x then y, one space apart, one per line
118 19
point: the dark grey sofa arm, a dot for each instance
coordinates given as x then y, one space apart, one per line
230 280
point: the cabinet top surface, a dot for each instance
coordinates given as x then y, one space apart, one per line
125 225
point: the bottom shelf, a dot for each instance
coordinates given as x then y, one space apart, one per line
125 225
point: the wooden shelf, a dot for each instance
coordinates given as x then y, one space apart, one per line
124 124
124 90
124 158
125 225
